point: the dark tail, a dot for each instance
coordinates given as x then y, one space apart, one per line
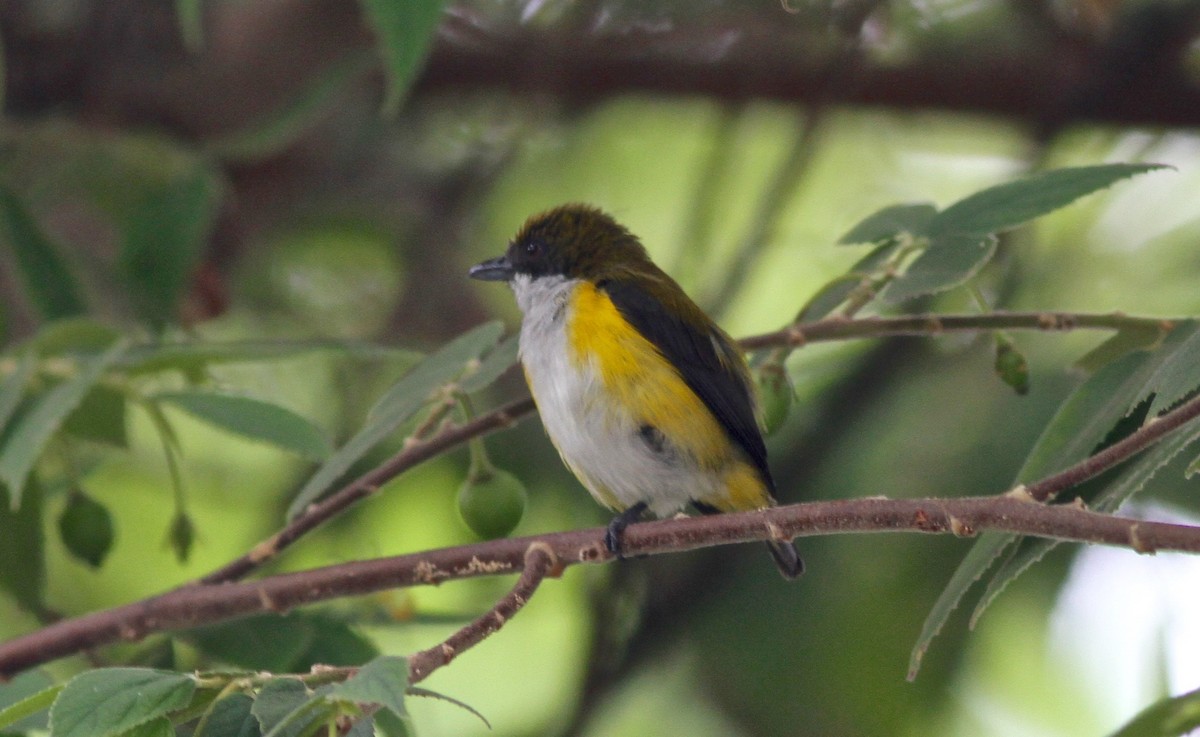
786 558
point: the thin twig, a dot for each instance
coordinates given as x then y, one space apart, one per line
930 325
367 484
1147 434
540 560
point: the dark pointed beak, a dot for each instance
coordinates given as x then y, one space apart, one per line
495 269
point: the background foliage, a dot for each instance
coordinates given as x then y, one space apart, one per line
230 228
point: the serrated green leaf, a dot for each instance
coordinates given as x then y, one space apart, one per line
1013 203
108 701
100 417
950 260
1170 717
162 235
23 550
1125 340
51 286
1077 428
1178 376
23 701
890 222
285 708
230 717
399 403
381 681
157 727
12 389
406 32
254 419
499 360
33 430
987 548
1132 479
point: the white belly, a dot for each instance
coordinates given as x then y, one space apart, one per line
597 439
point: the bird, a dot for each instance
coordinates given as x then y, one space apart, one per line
648 401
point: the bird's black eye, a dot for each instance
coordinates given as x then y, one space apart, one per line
533 248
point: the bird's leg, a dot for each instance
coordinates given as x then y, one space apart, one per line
616 528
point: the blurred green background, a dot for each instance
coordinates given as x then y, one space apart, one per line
739 140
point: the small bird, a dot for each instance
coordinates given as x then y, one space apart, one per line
649 403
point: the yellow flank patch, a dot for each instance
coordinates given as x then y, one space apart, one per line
638 378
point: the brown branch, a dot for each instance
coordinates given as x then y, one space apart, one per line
195 605
795 336
1154 430
931 325
540 560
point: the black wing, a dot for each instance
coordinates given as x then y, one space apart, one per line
717 381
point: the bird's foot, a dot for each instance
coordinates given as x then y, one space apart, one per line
614 537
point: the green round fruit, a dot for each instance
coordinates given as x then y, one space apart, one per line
491 502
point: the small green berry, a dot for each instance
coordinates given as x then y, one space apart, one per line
491 502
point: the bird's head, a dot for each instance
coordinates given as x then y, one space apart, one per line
571 241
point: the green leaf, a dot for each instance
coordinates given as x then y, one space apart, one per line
335 642
1178 376
398 404
267 137
1170 717
86 528
890 222
254 419
52 288
1013 203
987 548
406 32
12 389
73 336
1131 480
1079 426
391 725
282 643
230 717
100 417
381 681
499 360
23 550
1125 340
23 700
834 293
157 727
32 431
191 357
950 260
108 701
284 708
163 233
